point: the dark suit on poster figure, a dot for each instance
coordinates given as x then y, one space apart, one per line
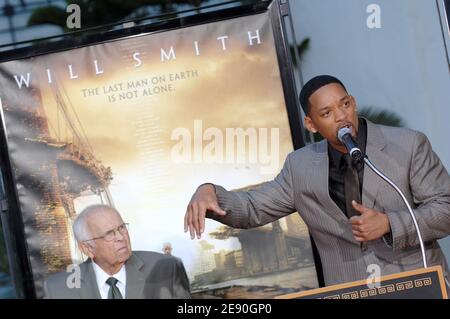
384 225
149 275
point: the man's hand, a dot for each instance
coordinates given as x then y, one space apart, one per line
371 225
204 199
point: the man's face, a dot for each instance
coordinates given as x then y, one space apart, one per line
331 108
168 250
108 254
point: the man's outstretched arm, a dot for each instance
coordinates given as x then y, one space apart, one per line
241 209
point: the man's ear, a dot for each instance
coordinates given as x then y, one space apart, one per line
309 124
87 249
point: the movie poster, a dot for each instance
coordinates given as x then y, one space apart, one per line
138 123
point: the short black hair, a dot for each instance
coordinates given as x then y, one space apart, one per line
312 86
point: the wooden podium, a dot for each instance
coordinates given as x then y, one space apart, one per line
423 283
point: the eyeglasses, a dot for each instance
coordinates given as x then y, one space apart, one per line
111 234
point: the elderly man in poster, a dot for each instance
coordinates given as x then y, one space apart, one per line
113 270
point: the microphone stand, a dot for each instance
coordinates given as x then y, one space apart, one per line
416 225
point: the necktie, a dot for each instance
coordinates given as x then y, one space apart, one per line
352 192
351 184
114 292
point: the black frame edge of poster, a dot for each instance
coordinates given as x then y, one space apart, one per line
13 226
285 66
443 11
291 96
18 255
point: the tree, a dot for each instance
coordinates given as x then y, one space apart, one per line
101 12
383 117
302 48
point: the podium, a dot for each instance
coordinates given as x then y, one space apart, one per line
423 283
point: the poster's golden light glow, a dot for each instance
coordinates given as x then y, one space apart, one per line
129 106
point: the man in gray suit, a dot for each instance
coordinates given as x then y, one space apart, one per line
354 217
113 270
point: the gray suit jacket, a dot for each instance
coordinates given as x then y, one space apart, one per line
150 275
402 154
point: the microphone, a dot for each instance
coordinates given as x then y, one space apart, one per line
345 137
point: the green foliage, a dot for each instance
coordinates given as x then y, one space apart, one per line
101 12
48 15
383 117
302 48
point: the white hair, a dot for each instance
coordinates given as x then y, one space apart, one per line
81 229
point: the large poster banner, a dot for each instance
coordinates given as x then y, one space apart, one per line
138 123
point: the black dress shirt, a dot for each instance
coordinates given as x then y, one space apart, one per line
337 167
